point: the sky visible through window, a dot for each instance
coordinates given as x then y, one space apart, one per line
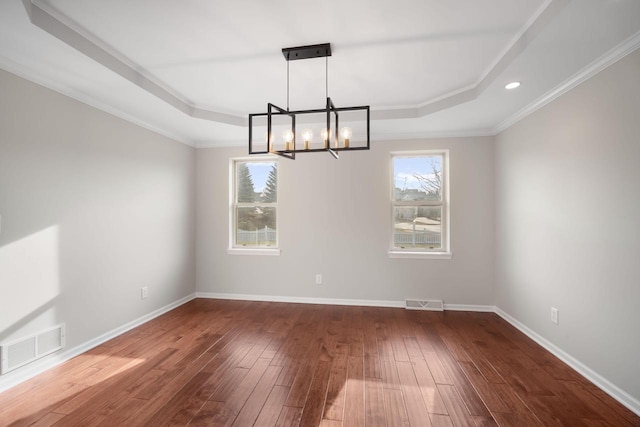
405 169
259 174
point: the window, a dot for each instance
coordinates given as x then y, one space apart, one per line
254 206
420 206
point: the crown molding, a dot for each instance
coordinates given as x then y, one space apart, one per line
60 26
463 133
533 27
55 23
469 133
37 78
520 36
614 55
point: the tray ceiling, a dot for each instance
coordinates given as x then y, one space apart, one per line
194 70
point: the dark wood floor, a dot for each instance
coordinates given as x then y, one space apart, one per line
213 362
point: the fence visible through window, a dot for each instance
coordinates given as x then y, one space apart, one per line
261 237
417 238
419 202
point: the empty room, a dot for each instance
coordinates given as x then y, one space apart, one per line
339 213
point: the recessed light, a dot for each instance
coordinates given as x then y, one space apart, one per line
512 85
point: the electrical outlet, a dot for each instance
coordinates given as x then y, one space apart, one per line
318 279
144 292
554 315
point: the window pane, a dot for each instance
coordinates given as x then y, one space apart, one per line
417 178
417 227
256 226
257 182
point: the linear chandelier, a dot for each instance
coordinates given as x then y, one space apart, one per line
336 128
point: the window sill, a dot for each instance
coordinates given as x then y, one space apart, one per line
420 255
254 251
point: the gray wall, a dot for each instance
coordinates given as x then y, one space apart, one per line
92 209
335 219
567 184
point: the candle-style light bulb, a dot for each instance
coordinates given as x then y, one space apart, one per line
325 134
287 135
269 139
346 133
307 135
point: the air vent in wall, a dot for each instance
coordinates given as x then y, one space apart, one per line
19 352
429 305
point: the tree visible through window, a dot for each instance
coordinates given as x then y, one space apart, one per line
255 198
419 203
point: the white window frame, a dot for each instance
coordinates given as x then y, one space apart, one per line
444 252
234 248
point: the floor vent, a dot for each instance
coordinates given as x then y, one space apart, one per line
429 305
25 350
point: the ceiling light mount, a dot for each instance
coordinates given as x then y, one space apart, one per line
306 52
282 121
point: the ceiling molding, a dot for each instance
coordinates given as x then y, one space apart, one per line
534 26
60 26
28 74
385 137
611 57
543 16
617 53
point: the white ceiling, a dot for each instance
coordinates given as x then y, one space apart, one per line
194 70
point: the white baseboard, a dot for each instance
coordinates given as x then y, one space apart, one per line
337 301
605 385
469 307
302 300
20 375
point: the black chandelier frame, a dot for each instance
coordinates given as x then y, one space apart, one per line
297 53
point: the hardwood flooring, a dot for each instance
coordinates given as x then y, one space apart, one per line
236 363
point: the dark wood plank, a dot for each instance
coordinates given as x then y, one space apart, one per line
253 406
206 414
428 388
289 417
312 411
603 405
490 397
413 348
439 420
436 368
243 390
374 403
416 409
389 374
330 423
468 394
336 391
100 401
396 412
272 407
455 406
221 370
177 400
354 411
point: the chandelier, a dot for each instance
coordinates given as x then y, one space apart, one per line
330 129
